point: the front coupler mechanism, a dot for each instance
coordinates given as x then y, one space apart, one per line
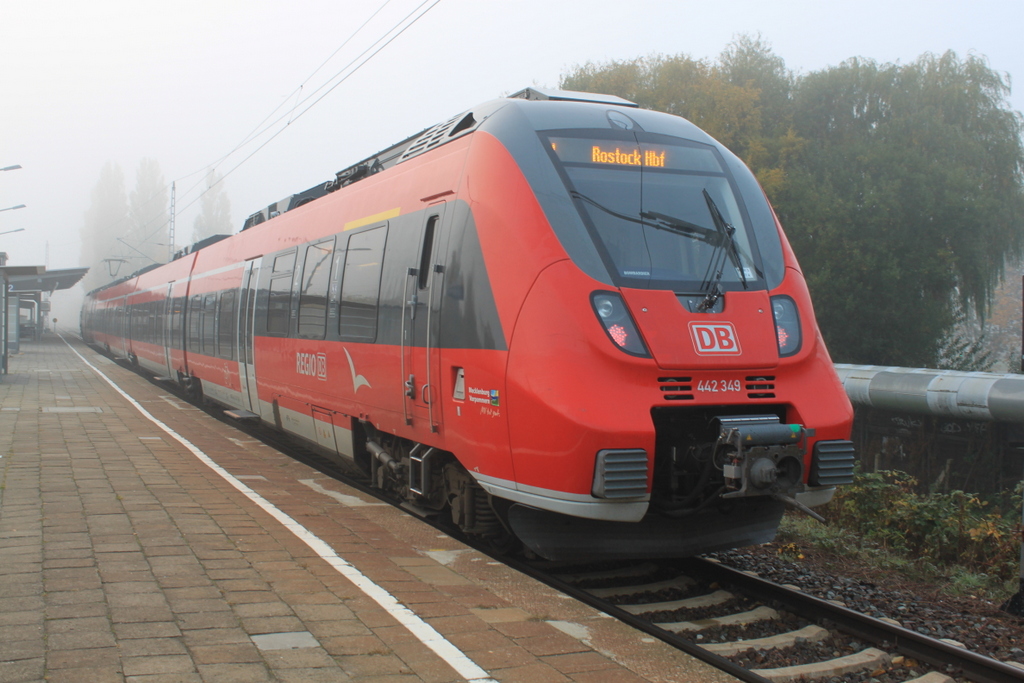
759 455
762 457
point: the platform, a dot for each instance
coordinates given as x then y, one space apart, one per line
142 540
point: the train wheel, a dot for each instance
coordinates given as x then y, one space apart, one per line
473 510
194 388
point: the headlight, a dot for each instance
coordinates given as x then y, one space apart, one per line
787 325
618 324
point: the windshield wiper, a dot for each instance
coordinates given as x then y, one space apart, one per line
658 221
678 225
725 246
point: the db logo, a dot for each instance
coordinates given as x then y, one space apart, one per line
715 338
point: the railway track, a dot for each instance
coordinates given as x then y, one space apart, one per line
709 610
760 631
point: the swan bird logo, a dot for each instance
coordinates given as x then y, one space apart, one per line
357 380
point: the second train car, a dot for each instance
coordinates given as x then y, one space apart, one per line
558 318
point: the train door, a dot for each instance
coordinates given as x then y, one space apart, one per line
168 331
246 317
423 299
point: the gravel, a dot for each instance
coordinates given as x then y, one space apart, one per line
977 623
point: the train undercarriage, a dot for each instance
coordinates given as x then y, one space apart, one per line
722 479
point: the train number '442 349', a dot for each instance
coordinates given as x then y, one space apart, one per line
719 385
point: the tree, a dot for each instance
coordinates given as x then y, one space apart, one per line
214 210
907 194
104 221
147 235
965 345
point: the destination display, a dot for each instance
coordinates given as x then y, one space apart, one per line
617 153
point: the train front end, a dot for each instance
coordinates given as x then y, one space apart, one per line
668 390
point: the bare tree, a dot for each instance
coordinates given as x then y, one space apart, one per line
147 235
105 221
214 210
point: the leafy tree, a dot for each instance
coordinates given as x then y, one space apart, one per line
696 90
908 192
103 222
214 210
901 187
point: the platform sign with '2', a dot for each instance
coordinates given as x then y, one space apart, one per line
715 339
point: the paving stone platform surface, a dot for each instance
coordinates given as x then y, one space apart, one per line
124 557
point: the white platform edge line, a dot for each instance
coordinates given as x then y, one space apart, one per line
423 631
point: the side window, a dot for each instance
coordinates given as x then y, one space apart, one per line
156 315
278 305
195 321
426 251
360 287
133 322
150 333
177 308
209 324
316 276
226 325
284 263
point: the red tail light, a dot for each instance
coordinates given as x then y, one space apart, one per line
787 325
618 324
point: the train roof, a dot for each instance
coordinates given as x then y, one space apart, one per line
424 141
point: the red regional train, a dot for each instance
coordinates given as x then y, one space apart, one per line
558 318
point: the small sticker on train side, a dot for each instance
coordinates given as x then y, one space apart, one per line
488 396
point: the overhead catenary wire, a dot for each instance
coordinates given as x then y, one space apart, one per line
342 79
339 77
258 129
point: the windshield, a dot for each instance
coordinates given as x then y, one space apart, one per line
650 203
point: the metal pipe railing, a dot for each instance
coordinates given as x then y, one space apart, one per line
985 396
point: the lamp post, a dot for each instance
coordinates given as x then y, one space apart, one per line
12 208
11 168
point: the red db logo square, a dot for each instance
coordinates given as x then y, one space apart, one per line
715 339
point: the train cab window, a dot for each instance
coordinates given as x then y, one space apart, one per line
226 325
657 208
316 276
279 305
209 325
360 286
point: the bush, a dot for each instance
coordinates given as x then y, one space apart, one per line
953 529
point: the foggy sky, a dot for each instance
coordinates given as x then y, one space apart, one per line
184 81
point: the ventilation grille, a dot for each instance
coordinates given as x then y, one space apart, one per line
620 474
676 388
761 386
440 133
832 463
